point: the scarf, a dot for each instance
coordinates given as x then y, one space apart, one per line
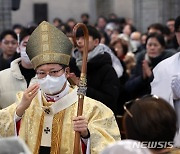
100 49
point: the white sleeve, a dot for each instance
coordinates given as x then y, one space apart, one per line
16 119
175 86
87 143
88 149
161 84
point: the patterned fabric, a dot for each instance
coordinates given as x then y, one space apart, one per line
47 44
101 124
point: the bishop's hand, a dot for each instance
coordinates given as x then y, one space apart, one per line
28 95
81 125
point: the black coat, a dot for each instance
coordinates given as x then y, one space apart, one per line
136 86
102 80
4 64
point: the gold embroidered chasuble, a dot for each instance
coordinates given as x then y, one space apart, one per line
101 123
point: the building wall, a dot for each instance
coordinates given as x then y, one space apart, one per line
147 12
143 12
68 8
5 14
56 8
124 8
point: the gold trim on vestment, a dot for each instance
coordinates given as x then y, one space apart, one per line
57 132
101 124
38 143
50 57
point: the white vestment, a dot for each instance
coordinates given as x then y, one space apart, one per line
161 85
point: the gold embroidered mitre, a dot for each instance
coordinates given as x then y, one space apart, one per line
47 44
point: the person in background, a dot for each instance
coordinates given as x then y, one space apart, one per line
110 28
166 81
170 24
130 63
126 147
151 120
112 16
143 41
104 38
101 23
172 38
46 111
19 75
141 76
71 23
102 80
155 28
65 29
120 48
135 41
17 28
161 29
15 145
8 45
128 29
85 18
168 39
57 22
129 59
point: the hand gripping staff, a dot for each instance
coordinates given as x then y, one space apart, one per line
83 82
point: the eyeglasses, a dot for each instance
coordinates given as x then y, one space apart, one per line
6 42
54 73
128 104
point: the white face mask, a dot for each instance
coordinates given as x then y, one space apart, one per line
24 56
135 44
52 85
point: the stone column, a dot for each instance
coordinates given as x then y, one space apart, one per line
147 12
104 7
5 14
92 10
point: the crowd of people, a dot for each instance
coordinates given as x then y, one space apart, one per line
40 70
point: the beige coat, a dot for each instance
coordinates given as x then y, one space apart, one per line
11 81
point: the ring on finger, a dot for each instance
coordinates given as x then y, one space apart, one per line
30 93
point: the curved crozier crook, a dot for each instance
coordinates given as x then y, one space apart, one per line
86 43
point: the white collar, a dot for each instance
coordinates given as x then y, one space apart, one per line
58 96
61 104
16 72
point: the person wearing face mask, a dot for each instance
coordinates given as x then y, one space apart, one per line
19 75
135 41
46 111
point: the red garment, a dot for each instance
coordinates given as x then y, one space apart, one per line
83 146
18 126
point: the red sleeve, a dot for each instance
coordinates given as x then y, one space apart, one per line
18 126
83 146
